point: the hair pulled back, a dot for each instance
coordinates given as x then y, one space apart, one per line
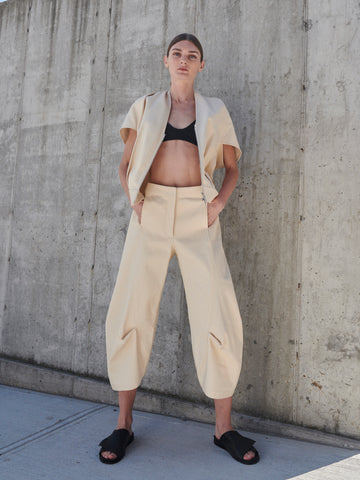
186 36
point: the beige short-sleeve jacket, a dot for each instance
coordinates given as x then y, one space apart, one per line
149 114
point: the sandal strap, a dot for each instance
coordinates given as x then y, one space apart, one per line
116 442
233 440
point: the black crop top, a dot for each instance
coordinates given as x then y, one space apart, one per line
187 133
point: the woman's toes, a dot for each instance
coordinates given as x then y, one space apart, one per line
108 455
249 455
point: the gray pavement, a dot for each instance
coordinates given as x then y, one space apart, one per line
45 436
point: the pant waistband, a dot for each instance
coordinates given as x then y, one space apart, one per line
156 188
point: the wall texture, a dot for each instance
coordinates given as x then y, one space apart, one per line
289 74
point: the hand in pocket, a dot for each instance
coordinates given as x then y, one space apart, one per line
213 209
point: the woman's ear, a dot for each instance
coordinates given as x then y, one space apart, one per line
202 65
166 62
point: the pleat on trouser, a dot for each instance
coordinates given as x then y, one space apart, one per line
174 221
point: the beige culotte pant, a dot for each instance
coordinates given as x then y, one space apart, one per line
174 221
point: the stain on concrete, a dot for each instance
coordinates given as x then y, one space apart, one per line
316 384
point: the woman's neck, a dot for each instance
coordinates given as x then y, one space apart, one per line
181 92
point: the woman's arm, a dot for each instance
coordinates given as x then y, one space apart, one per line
228 185
125 159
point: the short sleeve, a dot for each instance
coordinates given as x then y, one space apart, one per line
228 137
132 118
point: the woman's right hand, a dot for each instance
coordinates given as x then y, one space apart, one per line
138 209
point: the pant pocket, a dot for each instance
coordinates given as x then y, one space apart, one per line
206 219
143 211
205 214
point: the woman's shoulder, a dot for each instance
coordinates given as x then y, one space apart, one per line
147 95
214 104
139 103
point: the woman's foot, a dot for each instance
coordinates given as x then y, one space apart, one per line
110 455
125 420
221 430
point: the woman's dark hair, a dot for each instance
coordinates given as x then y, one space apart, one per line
186 36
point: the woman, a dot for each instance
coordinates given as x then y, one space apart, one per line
174 140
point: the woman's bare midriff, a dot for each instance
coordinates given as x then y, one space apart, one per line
176 164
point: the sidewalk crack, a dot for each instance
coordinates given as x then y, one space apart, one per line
59 425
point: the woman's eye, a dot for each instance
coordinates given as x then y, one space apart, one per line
193 57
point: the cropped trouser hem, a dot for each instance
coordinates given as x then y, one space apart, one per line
174 221
214 395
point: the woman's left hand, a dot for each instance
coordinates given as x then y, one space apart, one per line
213 209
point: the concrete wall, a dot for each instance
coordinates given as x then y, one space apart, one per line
289 74
329 320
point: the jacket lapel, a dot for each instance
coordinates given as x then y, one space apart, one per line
157 112
153 126
201 123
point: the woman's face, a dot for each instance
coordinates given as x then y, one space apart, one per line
183 61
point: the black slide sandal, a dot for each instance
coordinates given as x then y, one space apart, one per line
115 443
237 446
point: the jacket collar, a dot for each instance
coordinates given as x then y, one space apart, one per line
200 116
199 103
161 104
